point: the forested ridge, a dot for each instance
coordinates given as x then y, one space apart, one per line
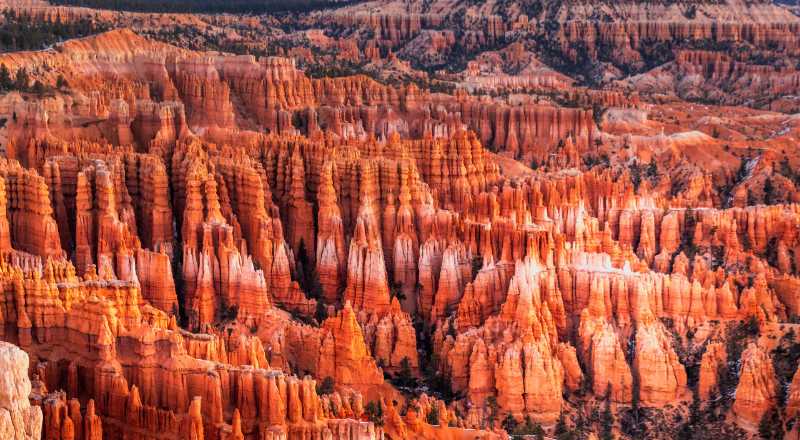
205 6
23 32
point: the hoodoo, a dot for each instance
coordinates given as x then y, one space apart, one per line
390 219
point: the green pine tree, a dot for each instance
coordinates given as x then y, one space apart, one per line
433 416
38 87
5 78
21 80
61 83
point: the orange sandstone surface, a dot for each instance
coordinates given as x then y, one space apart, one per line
200 245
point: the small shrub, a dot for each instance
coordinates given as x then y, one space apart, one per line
433 416
326 386
374 413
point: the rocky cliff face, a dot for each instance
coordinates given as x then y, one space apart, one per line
174 387
18 419
201 245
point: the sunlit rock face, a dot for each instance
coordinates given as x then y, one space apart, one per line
18 419
422 222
